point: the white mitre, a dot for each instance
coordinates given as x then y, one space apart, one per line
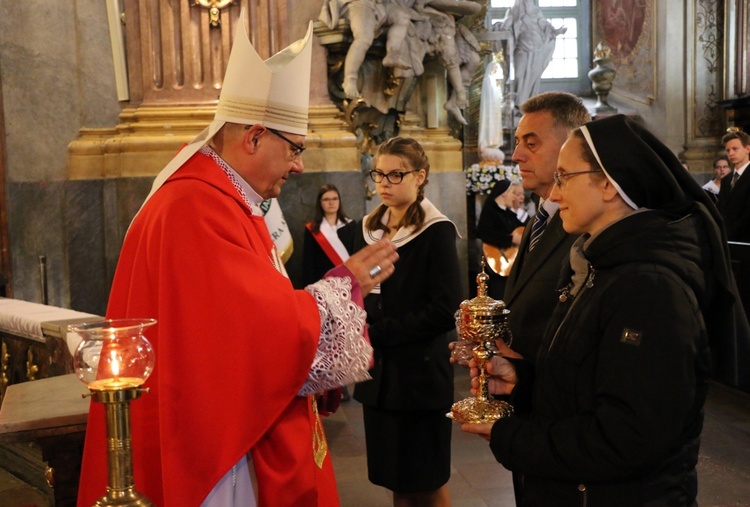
274 93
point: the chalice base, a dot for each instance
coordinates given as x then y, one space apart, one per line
123 498
476 411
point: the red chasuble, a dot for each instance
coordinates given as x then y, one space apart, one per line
234 344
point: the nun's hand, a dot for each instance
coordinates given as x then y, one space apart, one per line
504 350
484 430
502 376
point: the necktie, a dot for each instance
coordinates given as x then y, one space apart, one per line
537 228
735 177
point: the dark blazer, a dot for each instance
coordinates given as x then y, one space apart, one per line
409 324
734 206
531 290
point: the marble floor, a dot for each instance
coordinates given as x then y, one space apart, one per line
477 480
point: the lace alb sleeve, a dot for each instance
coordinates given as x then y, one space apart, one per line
343 354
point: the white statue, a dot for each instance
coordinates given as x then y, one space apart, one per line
414 28
455 47
468 53
368 19
490 113
534 40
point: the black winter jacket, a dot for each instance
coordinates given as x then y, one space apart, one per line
621 377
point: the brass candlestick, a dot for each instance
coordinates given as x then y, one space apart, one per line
482 320
121 485
114 359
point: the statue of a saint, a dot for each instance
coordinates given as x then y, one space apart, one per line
534 41
456 49
490 113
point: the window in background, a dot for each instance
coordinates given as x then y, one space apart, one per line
568 70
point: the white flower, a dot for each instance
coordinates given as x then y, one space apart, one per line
480 178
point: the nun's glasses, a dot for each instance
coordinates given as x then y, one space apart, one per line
560 177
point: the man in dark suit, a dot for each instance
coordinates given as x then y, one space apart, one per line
734 195
530 293
531 290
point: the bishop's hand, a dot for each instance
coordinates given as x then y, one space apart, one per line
373 264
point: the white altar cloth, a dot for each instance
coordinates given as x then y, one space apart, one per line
23 318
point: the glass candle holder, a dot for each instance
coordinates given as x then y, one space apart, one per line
114 359
114 354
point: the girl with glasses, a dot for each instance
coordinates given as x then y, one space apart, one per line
323 249
721 169
407 434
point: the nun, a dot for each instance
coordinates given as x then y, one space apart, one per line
500 231
612 413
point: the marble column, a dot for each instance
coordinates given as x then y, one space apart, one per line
704 71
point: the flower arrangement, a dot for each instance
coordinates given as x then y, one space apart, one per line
481 177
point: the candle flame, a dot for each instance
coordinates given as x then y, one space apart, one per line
115 364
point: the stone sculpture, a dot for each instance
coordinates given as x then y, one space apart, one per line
369 19
490 113
534 42
414 30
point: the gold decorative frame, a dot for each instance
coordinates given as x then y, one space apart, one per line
742 81
214 9
629 28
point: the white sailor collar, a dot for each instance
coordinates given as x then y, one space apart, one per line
406 234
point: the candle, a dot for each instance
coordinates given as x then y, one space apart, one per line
115 364
114 355
108 384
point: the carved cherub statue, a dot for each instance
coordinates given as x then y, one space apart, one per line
368 19
455 46
414 29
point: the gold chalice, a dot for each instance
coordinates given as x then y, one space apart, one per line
482 320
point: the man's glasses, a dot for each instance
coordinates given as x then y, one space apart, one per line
560 177
394 177
296 148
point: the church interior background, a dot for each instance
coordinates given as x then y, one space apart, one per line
84 132
86 125
96 97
